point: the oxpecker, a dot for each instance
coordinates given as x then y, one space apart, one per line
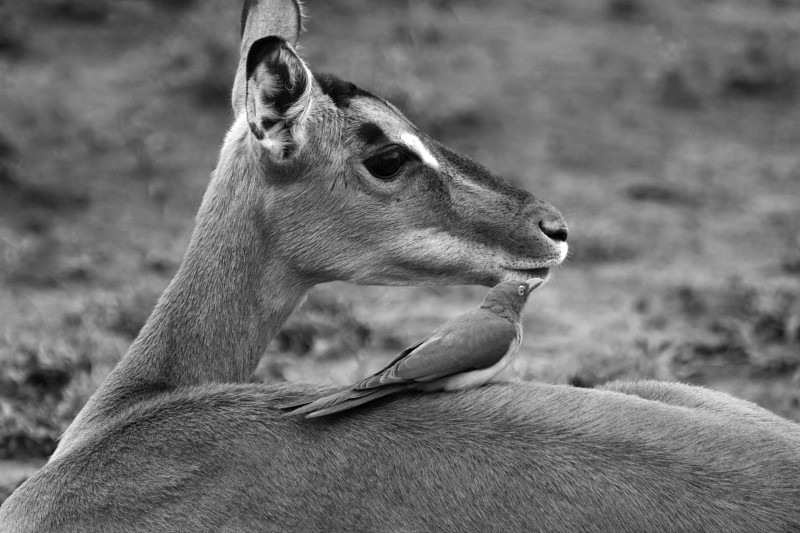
466 352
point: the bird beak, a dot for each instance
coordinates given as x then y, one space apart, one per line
534 283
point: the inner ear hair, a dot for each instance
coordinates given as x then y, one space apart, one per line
278 96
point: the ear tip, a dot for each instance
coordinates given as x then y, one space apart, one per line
282 17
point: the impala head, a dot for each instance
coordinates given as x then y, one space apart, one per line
380 201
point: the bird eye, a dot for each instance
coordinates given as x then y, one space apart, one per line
521 290
387 164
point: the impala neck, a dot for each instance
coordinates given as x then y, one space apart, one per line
214 321
230 296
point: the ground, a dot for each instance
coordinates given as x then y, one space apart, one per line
665 132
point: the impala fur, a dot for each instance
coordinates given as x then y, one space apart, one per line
518 457
176 439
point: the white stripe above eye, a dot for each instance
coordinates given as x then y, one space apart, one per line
415 145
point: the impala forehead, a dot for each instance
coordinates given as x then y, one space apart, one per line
395 128
379 122
370 133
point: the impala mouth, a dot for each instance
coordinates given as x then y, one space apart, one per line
542 272
526 274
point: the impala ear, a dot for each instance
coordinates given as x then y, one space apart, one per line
278 96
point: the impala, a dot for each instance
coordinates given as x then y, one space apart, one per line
319 180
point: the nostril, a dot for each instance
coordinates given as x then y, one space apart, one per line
555 229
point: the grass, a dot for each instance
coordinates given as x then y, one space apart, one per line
665 133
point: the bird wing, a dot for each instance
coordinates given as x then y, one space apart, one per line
404 354
343 398
477 339
331 393
354 400
340 401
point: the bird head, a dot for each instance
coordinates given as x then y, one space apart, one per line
510 295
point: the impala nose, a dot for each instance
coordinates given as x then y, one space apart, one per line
554 227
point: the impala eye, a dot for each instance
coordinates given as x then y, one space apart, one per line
387 164
521 290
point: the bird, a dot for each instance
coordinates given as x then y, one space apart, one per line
464 353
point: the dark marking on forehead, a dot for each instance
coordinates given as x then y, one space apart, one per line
370 133
340 91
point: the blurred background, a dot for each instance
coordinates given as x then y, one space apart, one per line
667 133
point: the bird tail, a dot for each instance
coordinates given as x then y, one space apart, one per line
310 398
341 401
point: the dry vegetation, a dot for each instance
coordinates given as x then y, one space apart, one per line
666 132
